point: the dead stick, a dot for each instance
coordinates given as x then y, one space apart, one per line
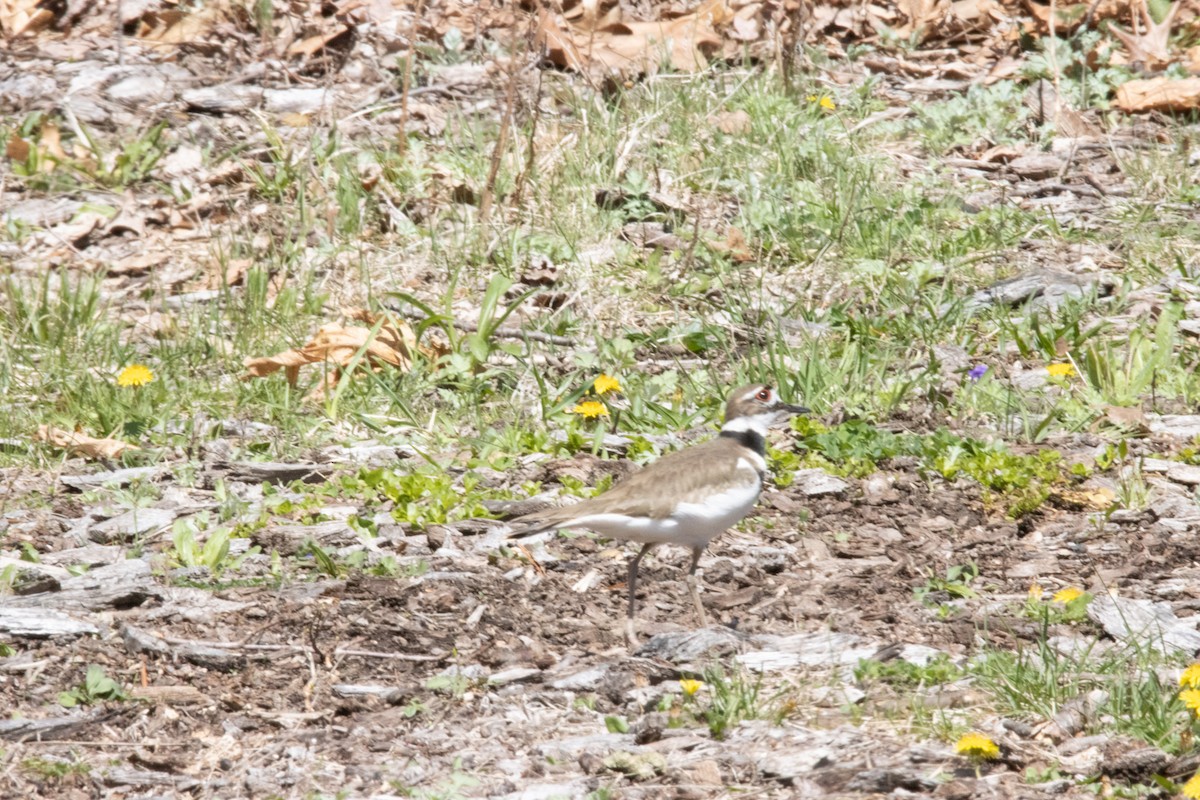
510 100
299 648
406 84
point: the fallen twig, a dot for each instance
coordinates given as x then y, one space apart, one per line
300 648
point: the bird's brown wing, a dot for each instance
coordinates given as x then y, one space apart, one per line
687 475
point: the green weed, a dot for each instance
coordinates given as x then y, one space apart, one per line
96 687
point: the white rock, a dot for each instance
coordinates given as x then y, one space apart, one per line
1184 473
813 482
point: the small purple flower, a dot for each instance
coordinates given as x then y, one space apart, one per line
976 372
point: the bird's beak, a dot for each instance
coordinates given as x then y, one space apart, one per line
794 409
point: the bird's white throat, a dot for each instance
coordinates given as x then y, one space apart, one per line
758 423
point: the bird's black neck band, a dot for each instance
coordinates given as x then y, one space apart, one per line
750 439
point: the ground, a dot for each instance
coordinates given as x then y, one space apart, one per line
300 306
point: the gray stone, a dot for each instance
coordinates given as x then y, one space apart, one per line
297 101
1037 166
1183 426
688 646
548 791
1145 624
584 681
512 675
837 696
117 477
42 623
132 524
142 88
816 481
1184 473
596 744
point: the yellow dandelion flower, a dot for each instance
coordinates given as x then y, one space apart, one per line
1060 370
590 409
1191 789
827 103
1191 677
135 375
690 686
976 745
1191 699
1036 591
606 383
1068 594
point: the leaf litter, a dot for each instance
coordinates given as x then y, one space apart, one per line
486 673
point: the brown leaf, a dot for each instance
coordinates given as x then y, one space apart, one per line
734 245
1125 417
17 149
81 444
733 123
138 263
1098 499
236 269
1006 67
51 141
393 344
923 15
164 30
314 44
1193 59
1150 47
18 17
1158 94
624 48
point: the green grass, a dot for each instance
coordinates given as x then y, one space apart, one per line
823 213
850 288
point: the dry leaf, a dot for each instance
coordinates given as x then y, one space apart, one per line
17 148
236 269
163 30
18 17
49 147
733 122
1193 59
1125 417
734 245
50 140
393 344
314 44
138 264
81 444
636 47
1006 67
293 120
923 15
1098 499
1158 94
1149 48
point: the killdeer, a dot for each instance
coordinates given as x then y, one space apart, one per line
686 498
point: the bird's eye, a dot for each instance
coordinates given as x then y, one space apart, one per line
764 394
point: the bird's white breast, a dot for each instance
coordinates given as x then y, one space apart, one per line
704 520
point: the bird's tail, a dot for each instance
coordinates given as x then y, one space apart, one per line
542 521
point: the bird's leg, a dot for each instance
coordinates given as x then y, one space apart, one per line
694 586
630 634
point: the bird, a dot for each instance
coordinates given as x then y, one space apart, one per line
686 498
